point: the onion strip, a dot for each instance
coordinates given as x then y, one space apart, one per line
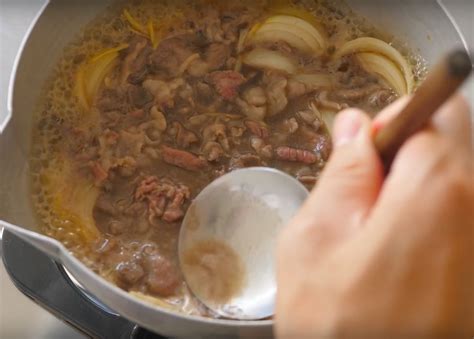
153 37
96 72
80 88
315 80
382 66
184 66
267 59
108 51
90 76
372 45
303 26
292 38
134 23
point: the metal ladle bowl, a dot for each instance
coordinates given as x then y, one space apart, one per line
228 237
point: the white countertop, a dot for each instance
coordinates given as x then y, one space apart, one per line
19 317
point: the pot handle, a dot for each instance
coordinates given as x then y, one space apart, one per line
43 243
44 281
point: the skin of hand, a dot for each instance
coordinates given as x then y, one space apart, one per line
368 256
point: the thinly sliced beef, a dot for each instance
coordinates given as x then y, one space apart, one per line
183 137
135 64
99 172
262 149
163 278
182 159
129 273
381 98
246 160
167 59
323 101
165 198
215 57
138 96
311 118
226 83
211 26
253 103
212 151
297 89
164 92
217 132
276 93
296 155
257 128
111 100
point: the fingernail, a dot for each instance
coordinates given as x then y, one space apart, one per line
347 126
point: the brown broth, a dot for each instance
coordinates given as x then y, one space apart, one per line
113 181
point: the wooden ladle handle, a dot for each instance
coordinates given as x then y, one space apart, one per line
441 82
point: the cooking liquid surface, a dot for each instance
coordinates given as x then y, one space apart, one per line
114 170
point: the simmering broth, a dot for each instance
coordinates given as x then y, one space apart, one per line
155 99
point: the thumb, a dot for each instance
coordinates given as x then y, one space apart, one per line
350 182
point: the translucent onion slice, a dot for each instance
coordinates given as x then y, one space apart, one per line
80 88
153 38
134 24
372 45
286 8
315 80
303 25
266 59
72 204
90 76
96 72
293 37
328 118
385 68
240 47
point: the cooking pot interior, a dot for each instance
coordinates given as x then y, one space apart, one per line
423 25
55 27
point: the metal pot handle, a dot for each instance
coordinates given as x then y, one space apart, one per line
59 296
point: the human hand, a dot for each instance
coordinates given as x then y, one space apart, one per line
368 256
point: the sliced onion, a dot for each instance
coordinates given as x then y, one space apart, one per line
184 66
134 24
271 34
152 34
72 204
90 76
108 51
266 59
80 88
328 118
95 73
378 46
326 115
297 12
384 67
240 47
242 38
303 25
315 80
